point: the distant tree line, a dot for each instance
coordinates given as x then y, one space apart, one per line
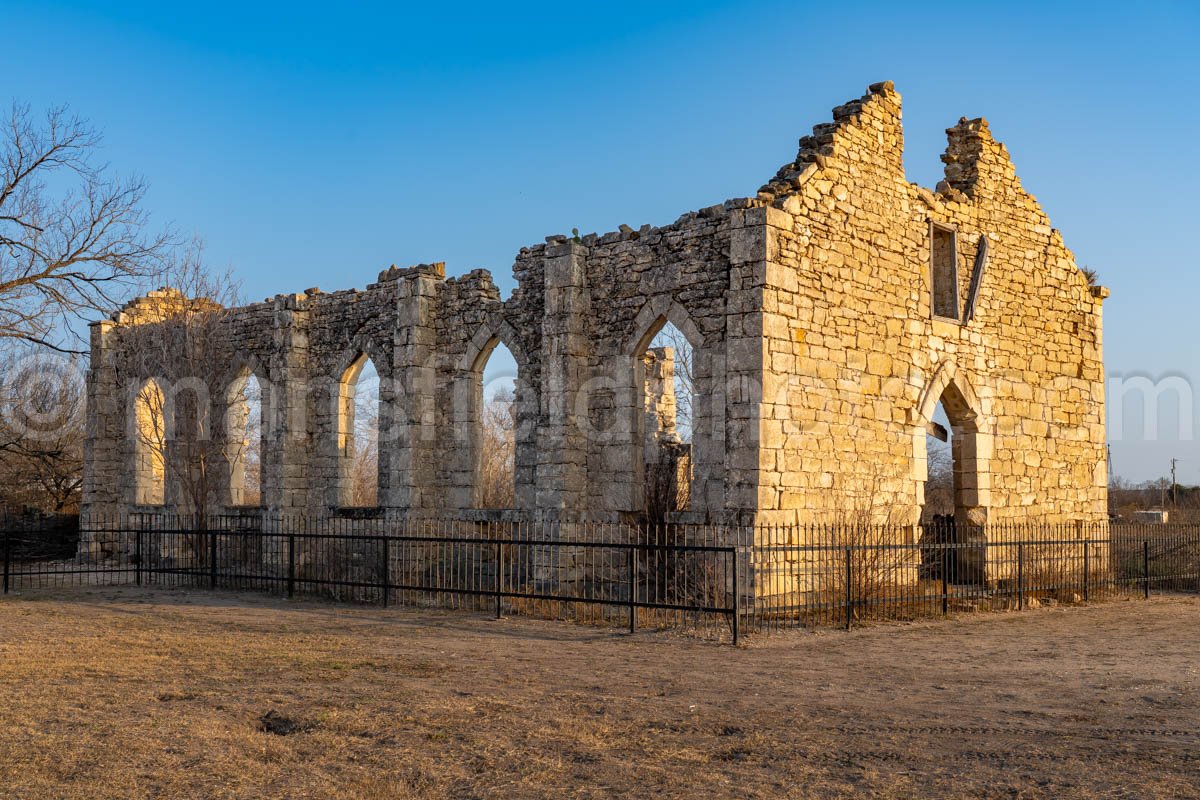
1126 497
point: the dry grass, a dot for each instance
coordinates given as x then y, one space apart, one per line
112 693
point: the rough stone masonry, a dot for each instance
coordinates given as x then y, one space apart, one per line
828 315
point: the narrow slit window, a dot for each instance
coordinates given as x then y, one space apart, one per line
944 258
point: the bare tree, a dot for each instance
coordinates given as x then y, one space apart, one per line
364 456
187 413
73 243
497 473
72 237
41 432
685 380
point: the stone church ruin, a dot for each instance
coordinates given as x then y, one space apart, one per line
828 316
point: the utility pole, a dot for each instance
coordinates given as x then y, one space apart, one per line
1174 461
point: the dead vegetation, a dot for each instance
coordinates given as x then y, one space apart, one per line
127 694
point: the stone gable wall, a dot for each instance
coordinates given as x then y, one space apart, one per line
855 354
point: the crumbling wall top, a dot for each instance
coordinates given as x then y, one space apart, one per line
159 305
436 269
881 103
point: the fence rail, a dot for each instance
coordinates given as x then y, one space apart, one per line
837 575
712 579
593 573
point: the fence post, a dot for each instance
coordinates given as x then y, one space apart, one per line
291 576
385 568
1146 569
849 597
945 581
1020 576
737 600
7 557
137 553
212 559
1086 569
499 582
632 590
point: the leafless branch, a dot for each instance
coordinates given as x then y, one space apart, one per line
73 238
183 432
685 382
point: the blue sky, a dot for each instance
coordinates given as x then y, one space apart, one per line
313 146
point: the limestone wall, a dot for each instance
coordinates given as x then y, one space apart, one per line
817 357
607 297
857 361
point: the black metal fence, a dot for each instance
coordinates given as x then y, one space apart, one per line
841 574
717 580
638 576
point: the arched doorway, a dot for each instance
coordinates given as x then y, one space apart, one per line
668 397
952 455
669 442
494 456
494 434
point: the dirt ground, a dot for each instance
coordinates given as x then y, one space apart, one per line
120 693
